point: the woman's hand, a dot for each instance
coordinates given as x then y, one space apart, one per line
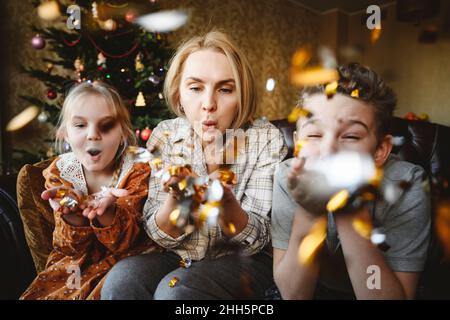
103 205
171 185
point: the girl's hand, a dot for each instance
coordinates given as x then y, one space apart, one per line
102 206
53 196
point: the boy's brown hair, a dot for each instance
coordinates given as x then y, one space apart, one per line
371 89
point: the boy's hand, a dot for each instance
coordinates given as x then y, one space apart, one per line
304 185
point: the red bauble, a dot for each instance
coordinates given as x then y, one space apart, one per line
130 16
51 94
145 134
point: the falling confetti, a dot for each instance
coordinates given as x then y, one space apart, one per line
314 76
299 144
355 93
23 118
312 242
185 263
298 113
331 89
363 227
173 282
163 21
443 224
338 201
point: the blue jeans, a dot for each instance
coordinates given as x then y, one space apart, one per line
147 277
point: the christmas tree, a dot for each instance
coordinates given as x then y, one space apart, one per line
98 40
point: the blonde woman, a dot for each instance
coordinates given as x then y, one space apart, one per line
210 86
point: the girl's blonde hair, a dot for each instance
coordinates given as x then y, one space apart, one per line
243 75
112 99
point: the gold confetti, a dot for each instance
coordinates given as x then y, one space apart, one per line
185 263
314 76
331 89
363 227
227 176
173 217
377 177
355 93
173 282
232 228
443 224
182 184
375 34
298 113
61 193
298 146
23 118
311 243
301 57
338 201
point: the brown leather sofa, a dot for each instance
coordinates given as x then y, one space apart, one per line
424 144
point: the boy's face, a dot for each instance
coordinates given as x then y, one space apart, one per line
340 123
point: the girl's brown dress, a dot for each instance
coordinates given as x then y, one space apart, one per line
82 256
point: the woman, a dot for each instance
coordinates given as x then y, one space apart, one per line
210 86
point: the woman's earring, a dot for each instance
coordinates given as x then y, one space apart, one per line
66 147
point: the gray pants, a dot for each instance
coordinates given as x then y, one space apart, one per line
147 277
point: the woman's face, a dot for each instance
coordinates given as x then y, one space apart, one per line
208 93
93 133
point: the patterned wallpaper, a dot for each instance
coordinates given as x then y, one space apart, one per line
268 31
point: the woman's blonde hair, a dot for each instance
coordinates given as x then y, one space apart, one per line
112 99
243 75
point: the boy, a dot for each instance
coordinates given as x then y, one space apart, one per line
350 122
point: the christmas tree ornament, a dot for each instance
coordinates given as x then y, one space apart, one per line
137 133
154 79
145 134
130 16
160 96
139 66
38 42
140 100
42 117
22 119
49 10
101 60
51 94
108 25
94 10
163 21
78 65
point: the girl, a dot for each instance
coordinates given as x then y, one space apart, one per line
209 85
92 232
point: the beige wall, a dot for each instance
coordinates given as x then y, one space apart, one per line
267 31
419 73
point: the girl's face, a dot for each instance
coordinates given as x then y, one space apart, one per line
208 93
93 134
